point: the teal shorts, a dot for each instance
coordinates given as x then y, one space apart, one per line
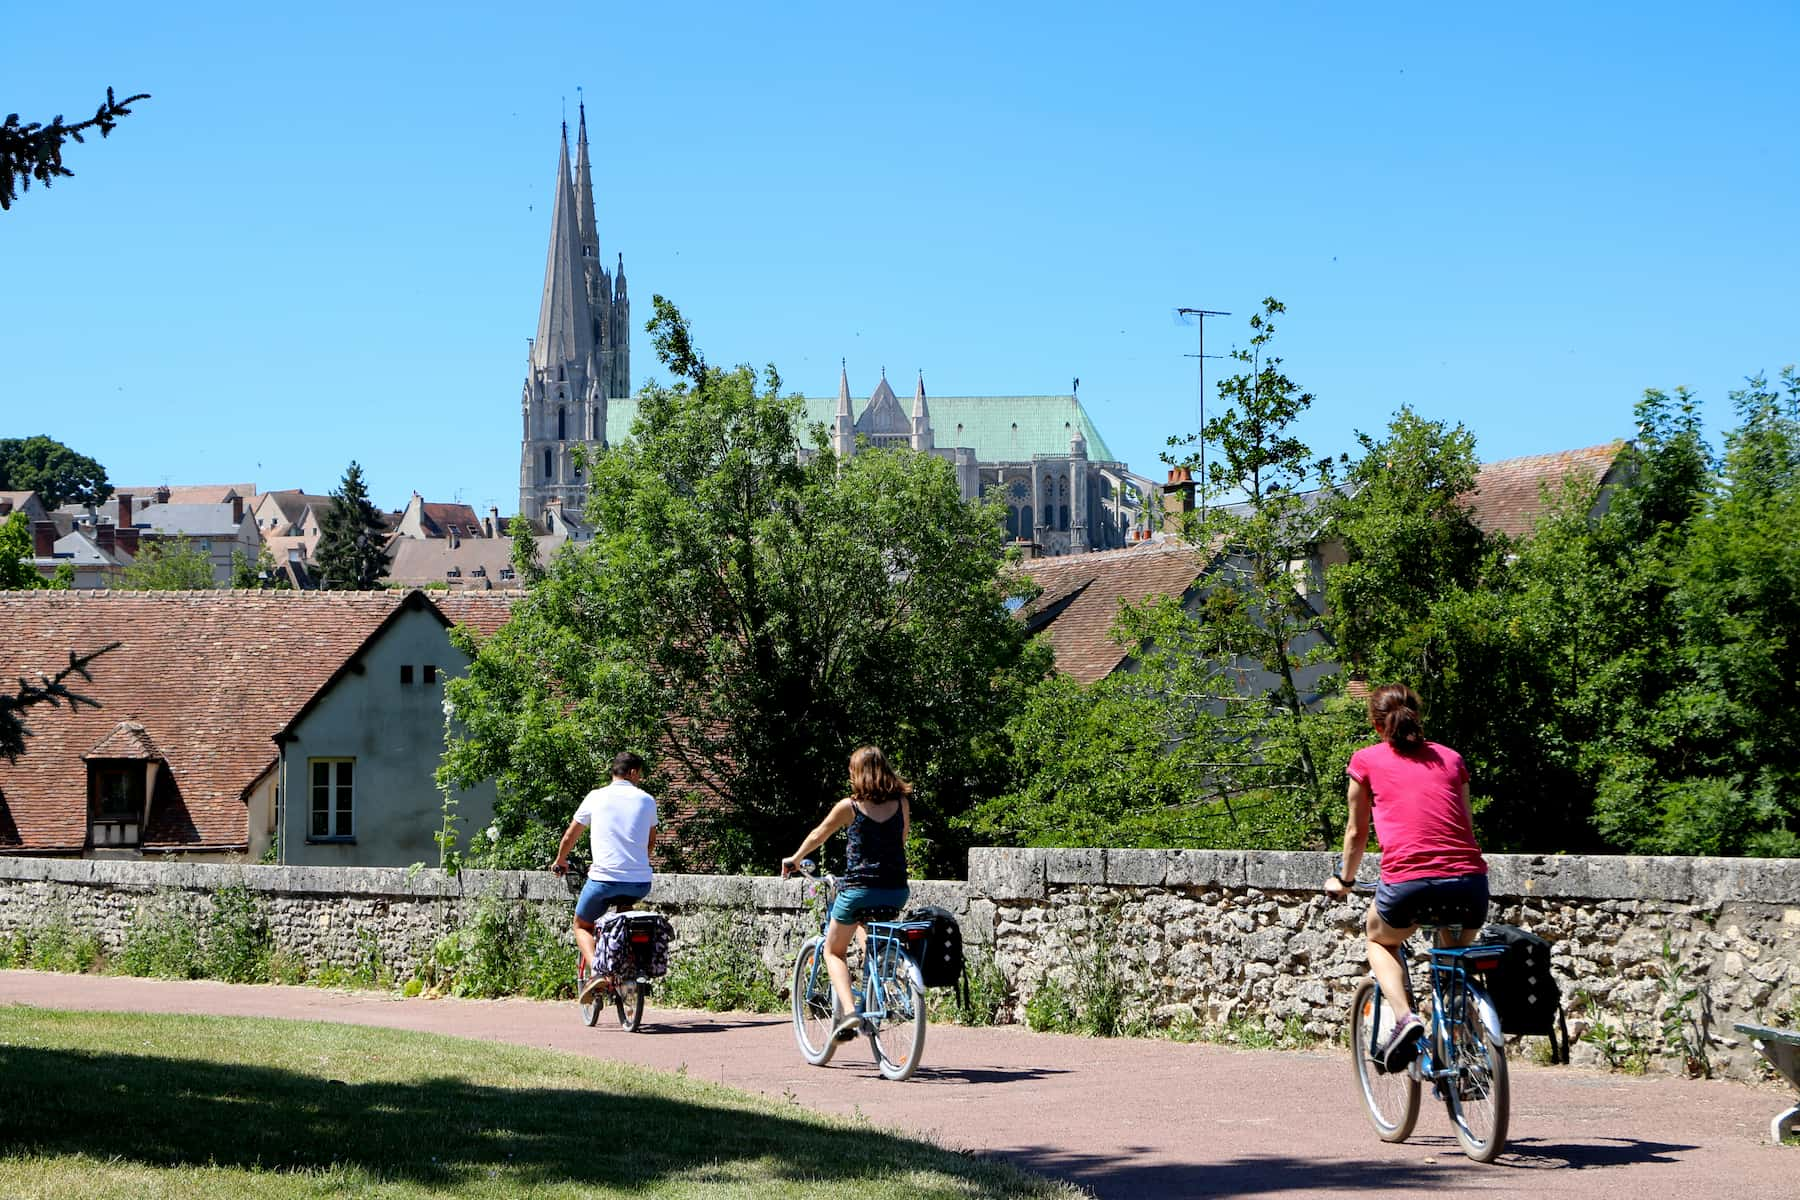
853 900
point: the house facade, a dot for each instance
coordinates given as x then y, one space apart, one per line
181 756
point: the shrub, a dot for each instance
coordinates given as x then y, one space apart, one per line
160 941
238 945
989 990
57 947
1050 1010
721 968
287 967
15 950
504 950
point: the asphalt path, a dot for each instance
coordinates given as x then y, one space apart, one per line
1124 1118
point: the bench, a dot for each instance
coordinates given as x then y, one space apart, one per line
1782 1048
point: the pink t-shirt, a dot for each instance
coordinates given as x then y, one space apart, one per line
1420 820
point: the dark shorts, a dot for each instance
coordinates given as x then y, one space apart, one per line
1459 900
852 900
596 895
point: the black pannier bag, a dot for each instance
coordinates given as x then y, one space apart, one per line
939 948
1523 989
633 943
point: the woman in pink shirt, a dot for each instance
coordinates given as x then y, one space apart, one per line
1431 868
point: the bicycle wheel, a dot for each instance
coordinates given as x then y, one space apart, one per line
590 1008
1479 1095
811 994
899 1036
1390 1097
628 999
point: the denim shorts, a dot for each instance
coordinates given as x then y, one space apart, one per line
596 895
1457 900
852 900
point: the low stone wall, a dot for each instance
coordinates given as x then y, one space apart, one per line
1209 937
1212 936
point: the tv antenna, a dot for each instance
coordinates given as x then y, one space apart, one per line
1197 317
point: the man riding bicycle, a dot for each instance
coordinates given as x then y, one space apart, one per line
621 821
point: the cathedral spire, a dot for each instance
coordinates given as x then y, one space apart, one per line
921 418
843 426
584 192
565 326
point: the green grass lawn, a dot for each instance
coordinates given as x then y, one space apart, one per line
107 1104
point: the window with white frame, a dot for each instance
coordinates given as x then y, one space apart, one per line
333 799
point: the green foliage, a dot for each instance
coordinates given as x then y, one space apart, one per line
1050 1009
744 619
1684 1032
56 946
162 942
990 992
527 565
44 465
239 946
503 950
17 550
351 553
169 565
1219 734
15 950
260 574
720 967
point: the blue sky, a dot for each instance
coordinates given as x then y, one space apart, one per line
324 237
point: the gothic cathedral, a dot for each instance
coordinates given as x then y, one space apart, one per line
581 356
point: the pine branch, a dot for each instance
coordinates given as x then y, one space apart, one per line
46 689
34 151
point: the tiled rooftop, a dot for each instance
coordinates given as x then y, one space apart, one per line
207 676
1509 495
1082 594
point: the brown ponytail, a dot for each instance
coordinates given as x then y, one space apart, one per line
871 779
1394 712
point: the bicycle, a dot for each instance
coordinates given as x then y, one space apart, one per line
1462 1053
629 991
891 1001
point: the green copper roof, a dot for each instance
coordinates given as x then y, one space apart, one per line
998 428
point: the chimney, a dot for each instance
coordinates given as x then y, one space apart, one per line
103 538
162 494
494 527
124 517
126 539
43 538
237 510
1178 497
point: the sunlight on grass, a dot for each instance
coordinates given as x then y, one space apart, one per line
129 1105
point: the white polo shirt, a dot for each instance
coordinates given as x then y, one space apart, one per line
619 818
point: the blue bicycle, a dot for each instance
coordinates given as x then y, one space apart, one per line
891 1000
1462 1054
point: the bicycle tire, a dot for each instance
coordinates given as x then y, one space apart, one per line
811 997
590 1008
1391 1098
898 1038
628 1000
1479 1095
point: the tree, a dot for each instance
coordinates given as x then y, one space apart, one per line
34 150
44 689
261 573
527 564
56 473
351 553
1214 736
169 565
746 615
17 573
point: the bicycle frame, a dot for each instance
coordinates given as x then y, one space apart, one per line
1453 992
883 944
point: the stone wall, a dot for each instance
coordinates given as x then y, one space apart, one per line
1217 936
1208 937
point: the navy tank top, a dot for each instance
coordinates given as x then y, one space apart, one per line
877 852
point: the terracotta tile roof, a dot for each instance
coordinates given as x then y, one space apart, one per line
438 518
199 493
127 740
1508 496
208 676
1082 593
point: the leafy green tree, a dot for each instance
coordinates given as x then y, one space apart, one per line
746 615
169 565
17 551
1214 736
56 473
33 150
527 564
351 554
259 573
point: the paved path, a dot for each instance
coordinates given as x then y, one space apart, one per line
1128 1119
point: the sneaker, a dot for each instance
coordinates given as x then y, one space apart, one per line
1402 1045
594 984
847 1028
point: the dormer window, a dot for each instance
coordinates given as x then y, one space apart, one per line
116 802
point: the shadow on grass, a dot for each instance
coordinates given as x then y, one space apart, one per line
438 1132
